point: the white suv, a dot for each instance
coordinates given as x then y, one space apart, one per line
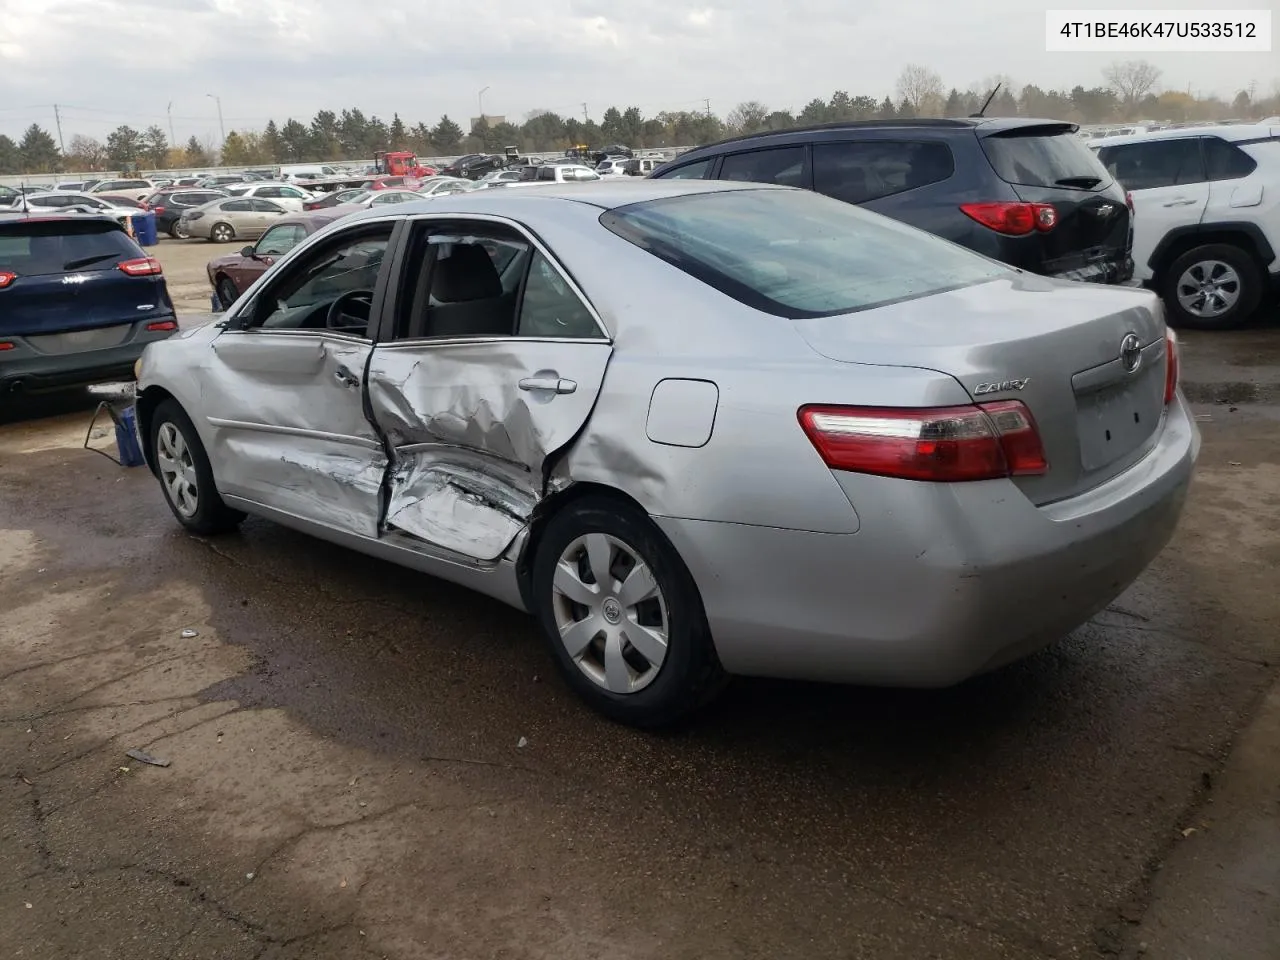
1206 226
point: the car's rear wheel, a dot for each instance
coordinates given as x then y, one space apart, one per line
179 231
623 616
185 473
227 292
222 233
1213 287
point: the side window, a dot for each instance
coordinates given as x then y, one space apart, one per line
550 308
279 240
781 165
267 192
292 192
1155 163
238 206
546 173
690 171
460 284
266 206
857 172
1226 161
303 298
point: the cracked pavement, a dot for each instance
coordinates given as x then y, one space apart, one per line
345 779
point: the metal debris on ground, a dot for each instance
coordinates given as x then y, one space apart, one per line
1233 463
188 633
1203 417
143 757
1188 832
522 742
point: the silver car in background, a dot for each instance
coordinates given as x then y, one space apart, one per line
696 428
230 218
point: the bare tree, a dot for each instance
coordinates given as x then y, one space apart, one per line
922 89
1131 80
748 117
85 153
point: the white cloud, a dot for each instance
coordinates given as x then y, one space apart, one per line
122 61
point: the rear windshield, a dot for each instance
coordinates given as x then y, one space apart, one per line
797 254
55 246
1040 157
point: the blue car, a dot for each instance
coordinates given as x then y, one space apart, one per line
79 300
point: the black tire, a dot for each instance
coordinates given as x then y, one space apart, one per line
1247 288
176 232
690 675
227 292
222 233
211 515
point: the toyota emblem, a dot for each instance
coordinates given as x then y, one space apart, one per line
1130 353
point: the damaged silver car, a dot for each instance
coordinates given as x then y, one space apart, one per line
695 428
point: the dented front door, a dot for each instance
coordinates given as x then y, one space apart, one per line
288 426
501 375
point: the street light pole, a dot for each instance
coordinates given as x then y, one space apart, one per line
173 140
222 128
480 101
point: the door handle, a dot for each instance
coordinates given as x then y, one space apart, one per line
346 377
549 384
1180 202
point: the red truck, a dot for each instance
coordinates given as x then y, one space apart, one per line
401 163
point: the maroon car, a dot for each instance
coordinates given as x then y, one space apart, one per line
233 274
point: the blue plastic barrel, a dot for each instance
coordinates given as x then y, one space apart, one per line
144 228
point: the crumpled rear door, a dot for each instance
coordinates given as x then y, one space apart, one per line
471 426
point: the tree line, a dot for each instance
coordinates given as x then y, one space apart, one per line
1129 92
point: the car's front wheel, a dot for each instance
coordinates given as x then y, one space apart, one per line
1213 287
186 475
227 292
623 616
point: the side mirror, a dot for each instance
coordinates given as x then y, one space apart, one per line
247 251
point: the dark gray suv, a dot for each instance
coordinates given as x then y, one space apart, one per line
1026 192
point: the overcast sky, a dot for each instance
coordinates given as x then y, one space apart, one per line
109 62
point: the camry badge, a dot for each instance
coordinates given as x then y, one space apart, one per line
75 278
1105 209
1000 386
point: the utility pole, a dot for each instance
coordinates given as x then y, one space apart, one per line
585 118
222 128
172 139
57 119
480 101
707 103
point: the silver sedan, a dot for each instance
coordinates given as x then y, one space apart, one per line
695 428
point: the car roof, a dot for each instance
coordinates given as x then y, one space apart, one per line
984 126
19 216
1232 133
607 194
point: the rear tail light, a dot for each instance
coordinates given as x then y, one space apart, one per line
1171 371
6 278
142 267
158 209
938 444
1014 219
5 345
163 325
1128 201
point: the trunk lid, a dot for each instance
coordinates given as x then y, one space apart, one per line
1054 346
1048 163
67 279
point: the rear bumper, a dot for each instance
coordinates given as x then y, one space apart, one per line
1107 271
24 368
941 581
